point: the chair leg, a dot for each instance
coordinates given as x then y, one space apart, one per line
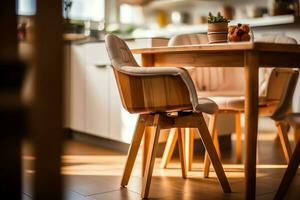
212 153
296 137
169 149
146 142
216 143
151 157
189 148
133 150
289 173
181 152
212 130
238 132
284 140
206 157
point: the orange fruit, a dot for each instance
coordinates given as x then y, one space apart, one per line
245 28
245 37
231 29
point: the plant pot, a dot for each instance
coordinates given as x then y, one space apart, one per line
218 27
217 32
217 37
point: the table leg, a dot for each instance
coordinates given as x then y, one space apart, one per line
251 63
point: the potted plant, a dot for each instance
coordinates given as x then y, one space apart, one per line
217 28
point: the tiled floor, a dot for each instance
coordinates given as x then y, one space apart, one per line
91 172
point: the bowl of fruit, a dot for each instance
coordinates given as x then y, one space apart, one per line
239 33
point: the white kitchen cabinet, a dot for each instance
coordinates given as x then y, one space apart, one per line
97 90
77 88
97 100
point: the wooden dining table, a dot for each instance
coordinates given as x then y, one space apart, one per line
249 55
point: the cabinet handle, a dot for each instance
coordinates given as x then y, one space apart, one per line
100 66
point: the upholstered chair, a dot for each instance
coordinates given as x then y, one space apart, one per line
164 98
208 81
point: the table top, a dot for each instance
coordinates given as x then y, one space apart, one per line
233 46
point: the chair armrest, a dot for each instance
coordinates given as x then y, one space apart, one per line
152 71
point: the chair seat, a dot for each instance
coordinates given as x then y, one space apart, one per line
206 105
237 103
221 93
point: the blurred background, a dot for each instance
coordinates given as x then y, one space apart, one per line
148 18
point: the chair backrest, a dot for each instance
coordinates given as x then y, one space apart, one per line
265 73
119 52
279 83
188 39
277 38
204 78
143 93
281 87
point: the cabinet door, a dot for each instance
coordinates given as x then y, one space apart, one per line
77 88
97 94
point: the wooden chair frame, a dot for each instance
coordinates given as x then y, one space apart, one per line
165 121
171 141
292 167
165 98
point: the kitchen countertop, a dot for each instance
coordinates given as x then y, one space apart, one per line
172 30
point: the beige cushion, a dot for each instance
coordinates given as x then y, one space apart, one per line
118 52
221 93
188 39
277 39
238 102
206 105
204 78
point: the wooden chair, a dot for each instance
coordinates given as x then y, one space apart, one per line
165 98
291 170
272 103
178 40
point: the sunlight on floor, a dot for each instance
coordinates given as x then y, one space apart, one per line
102 166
